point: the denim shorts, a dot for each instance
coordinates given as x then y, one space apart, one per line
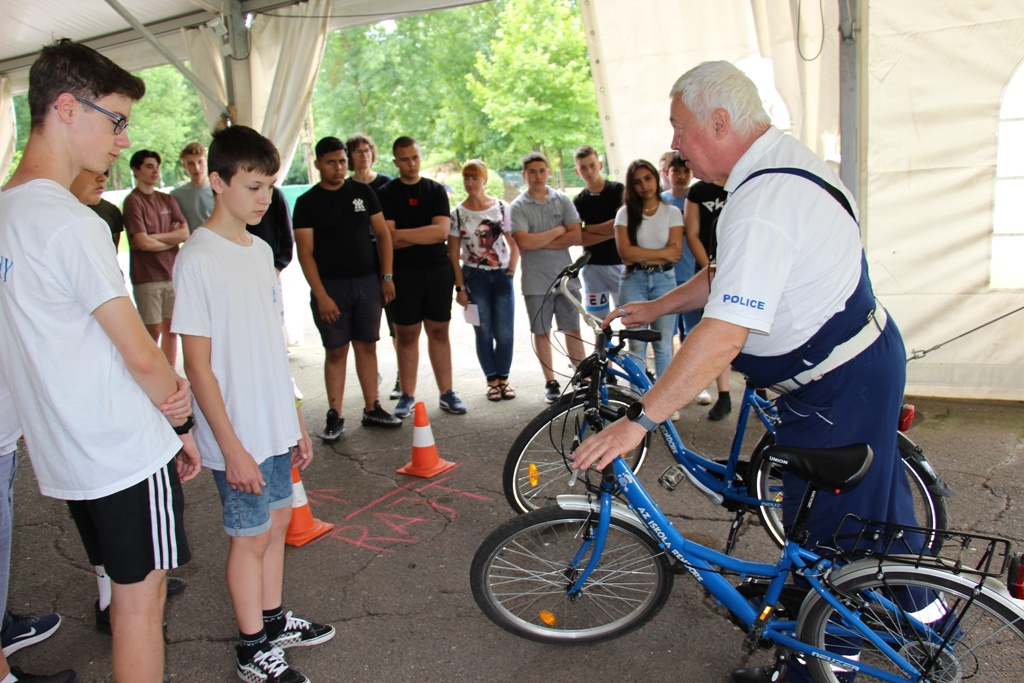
246 514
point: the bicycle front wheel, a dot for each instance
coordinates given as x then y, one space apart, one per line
535 469
522 572
766 481
972 633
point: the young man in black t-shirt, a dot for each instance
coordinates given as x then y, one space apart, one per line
597 204
333 222
418 217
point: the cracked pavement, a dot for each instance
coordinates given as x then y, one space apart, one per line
393 575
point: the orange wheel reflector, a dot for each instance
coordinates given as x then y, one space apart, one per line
547 617
534 474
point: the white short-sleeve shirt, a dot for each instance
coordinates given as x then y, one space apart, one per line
789 255
90 428
228 292
654 230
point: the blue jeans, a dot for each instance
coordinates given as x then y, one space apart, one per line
643 286
8 468
491 291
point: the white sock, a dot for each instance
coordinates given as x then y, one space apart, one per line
102 586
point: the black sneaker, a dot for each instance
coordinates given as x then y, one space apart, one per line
335 426
552 391
722 407
396 393
66 676
268 666
20 631
175 586
301 632
378 417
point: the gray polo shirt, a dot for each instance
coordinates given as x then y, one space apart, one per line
540 267
195 202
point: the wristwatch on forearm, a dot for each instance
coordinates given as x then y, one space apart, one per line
387 277
636 413
186 426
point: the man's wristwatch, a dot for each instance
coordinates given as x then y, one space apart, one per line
459 288
387 277
635 413
186 426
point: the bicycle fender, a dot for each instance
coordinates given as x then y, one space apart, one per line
581 503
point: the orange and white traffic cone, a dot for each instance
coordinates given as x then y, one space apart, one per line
303 527
425 461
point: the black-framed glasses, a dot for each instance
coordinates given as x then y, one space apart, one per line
120 122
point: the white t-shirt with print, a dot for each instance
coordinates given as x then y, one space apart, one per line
90 428
473 226
228 292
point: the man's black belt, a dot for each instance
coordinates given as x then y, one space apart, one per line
650 267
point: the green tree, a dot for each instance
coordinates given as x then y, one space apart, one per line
168 117
535 84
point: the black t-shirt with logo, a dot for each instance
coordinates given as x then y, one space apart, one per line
710 199
598 208
415 206
340 220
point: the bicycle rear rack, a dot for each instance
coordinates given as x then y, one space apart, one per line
959 552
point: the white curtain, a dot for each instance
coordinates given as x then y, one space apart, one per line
273 84
284 62
7 131
205 62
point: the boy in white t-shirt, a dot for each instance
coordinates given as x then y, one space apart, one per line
249 430
86 378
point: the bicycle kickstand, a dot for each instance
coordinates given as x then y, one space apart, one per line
734 531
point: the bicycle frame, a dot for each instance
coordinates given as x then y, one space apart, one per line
705 565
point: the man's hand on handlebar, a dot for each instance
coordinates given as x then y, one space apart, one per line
635 314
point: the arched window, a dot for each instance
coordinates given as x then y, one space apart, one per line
1007 261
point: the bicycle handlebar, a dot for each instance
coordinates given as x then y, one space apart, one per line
571 272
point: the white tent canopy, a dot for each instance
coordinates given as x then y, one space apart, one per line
928 124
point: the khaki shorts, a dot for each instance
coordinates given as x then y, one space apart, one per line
155 301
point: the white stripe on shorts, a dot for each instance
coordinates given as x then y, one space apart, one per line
161 519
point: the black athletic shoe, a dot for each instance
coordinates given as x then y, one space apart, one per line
334 428
552 391
175 586
66 676
722 407
396 393
378 417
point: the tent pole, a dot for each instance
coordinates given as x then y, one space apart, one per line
168 55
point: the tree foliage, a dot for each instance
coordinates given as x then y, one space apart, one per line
534 84
492 80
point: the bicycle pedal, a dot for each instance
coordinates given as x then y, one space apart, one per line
671 477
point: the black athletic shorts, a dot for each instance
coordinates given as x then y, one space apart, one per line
359 301
136 530
423 295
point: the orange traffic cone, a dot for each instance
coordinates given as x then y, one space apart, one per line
303 527
425 461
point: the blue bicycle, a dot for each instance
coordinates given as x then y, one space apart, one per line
537 467
593 568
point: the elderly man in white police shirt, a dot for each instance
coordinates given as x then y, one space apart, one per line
789 304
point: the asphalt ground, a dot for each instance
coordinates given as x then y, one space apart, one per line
393 576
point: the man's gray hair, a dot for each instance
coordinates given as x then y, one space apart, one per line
720 85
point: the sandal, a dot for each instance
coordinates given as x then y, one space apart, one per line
507 392
493 392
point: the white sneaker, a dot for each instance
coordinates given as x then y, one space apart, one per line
675 416
703 398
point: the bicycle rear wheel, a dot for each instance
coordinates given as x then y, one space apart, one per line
766 480
984 629
535 469
521 574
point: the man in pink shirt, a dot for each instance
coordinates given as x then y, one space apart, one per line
155 226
